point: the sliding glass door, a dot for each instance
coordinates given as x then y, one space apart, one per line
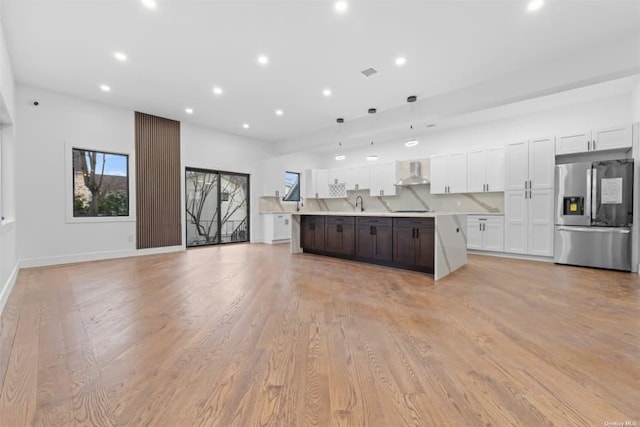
217 207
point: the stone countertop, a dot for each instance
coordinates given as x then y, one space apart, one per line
383 214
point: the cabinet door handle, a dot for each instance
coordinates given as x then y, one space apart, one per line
525 194
479 226
417 233
339 228
316 195
413 233
530 186
487 187
530 195
375 231
594 144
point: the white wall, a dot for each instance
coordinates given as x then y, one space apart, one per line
590 115
8 248
44 134
47 132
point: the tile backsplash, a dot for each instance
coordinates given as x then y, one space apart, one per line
416 197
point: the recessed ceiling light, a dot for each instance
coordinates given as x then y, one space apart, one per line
279 112
326 92
188 110
400 61
341 157
535 5
105 88
341 6
372 157
245 125
263 59
217 90
411 143
120 56
150 4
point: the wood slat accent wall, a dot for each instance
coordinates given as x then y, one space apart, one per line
158 177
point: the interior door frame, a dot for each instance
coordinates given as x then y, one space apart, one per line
219 201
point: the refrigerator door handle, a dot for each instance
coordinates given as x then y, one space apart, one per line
588 198
594 192
615 230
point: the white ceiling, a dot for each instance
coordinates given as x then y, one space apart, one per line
179 51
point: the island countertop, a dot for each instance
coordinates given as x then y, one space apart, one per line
381 214
450 240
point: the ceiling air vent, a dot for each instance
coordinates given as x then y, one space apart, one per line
369 72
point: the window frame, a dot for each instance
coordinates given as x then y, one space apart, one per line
70 185
299 187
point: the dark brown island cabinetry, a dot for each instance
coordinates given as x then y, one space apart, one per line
312 233
374 238
340 235
413 242
403 242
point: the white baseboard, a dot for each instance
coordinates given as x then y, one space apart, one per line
7 287
277 242
95 256
512 256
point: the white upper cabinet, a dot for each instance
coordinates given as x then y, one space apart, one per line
495 169
530 164
316 183
611 138
577 142
382 179
274 183
457 170
477 171
485 170
336 176
357 178
541 163
449 173
516 165
438 174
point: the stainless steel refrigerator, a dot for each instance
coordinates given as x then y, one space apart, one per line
594 214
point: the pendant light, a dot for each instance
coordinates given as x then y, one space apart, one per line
340 156
372 157
412 141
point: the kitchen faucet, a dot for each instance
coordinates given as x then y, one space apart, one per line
361 203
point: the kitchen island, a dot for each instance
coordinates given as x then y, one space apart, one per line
430 242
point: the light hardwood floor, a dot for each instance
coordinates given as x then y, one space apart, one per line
250 335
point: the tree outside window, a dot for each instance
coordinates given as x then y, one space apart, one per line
100 184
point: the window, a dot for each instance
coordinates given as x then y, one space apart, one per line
100 184
292 186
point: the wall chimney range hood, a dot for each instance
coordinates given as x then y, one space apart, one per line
415 176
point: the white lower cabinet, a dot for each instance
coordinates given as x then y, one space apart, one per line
485 232
277 227
528 217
